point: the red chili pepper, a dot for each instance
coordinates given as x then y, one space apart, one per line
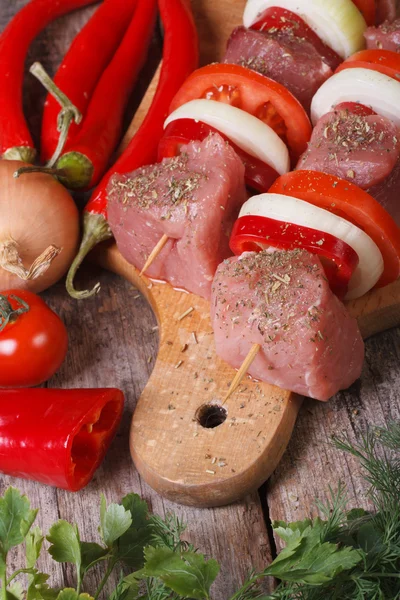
259 175
180 58
276 18
86 157
90 53
15 140
57 437
254 233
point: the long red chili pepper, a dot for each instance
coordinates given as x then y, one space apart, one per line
15 140
57 437
86 158
89 55
180 58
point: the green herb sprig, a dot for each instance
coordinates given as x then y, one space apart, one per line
341 555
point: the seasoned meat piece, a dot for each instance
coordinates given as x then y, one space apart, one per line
282 56
193 199
282 301
363 150
388 193
384 37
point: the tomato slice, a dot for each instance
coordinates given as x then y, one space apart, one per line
368 10
383 61
253 233
347 200
258 95
276 18
356 108
258 175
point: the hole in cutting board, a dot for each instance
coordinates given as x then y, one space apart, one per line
211 415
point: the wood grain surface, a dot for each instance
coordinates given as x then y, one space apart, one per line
112 342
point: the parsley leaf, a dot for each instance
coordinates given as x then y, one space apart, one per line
115 520
16 519
71 594
130 546
187 574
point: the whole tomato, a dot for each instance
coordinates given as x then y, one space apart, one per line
33 340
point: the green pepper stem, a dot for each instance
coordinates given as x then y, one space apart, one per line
95 230
69 112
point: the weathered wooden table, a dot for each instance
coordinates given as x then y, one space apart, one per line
112 343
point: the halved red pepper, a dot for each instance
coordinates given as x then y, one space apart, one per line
258 175
254 233
57 437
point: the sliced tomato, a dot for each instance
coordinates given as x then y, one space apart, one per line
258 175
260 96
356 108
254 233
383 61
347 200
368 10
276 18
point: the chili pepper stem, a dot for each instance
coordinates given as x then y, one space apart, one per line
95 230
47 171
21 153
68 113
77 170
10 261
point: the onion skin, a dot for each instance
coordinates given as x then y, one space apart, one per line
36 212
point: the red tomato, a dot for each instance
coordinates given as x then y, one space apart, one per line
260 96
383 61
368 10
356 109
258 175
279 18
33 340
349 201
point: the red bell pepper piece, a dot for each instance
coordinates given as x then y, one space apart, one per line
255 233
57 437
180 58
259 175
15 140
87 58
276 18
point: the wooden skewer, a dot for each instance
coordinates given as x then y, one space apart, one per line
154 253
243 370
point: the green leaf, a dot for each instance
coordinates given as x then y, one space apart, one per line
306 560
187 573
33 546
356 513
16 519
290 532
115 520
91 553
66 546
130 546
15 591
127 588
38 589
71 594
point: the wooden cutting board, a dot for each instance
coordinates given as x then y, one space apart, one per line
184 443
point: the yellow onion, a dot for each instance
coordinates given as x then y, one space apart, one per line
39 232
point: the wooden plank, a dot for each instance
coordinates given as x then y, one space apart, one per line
311 464
111 338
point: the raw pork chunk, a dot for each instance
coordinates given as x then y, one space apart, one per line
363 150
384 37
194 199
282 56
282 301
